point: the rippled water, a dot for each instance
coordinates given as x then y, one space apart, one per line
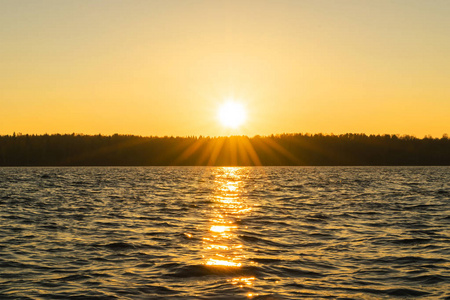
225 233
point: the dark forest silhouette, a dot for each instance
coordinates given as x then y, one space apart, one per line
285 149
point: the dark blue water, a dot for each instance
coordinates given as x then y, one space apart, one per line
225 233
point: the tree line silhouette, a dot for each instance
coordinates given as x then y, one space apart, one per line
275 150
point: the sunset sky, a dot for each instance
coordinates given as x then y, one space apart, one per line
165 67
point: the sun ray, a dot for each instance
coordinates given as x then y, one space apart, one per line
190 150
250 151
233 151
217 145
280 149
242 152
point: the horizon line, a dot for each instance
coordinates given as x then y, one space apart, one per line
307 134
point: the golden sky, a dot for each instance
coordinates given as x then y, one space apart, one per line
165 67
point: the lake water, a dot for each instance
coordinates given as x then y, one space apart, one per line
225 233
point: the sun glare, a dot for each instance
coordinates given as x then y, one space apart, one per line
232 114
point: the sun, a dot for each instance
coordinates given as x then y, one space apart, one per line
232 114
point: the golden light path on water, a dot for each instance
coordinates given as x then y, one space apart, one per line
222 247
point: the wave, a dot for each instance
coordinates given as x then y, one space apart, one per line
145 233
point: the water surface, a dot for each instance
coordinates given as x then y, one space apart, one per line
225 233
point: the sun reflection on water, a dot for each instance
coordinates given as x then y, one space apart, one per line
242 281
221 244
